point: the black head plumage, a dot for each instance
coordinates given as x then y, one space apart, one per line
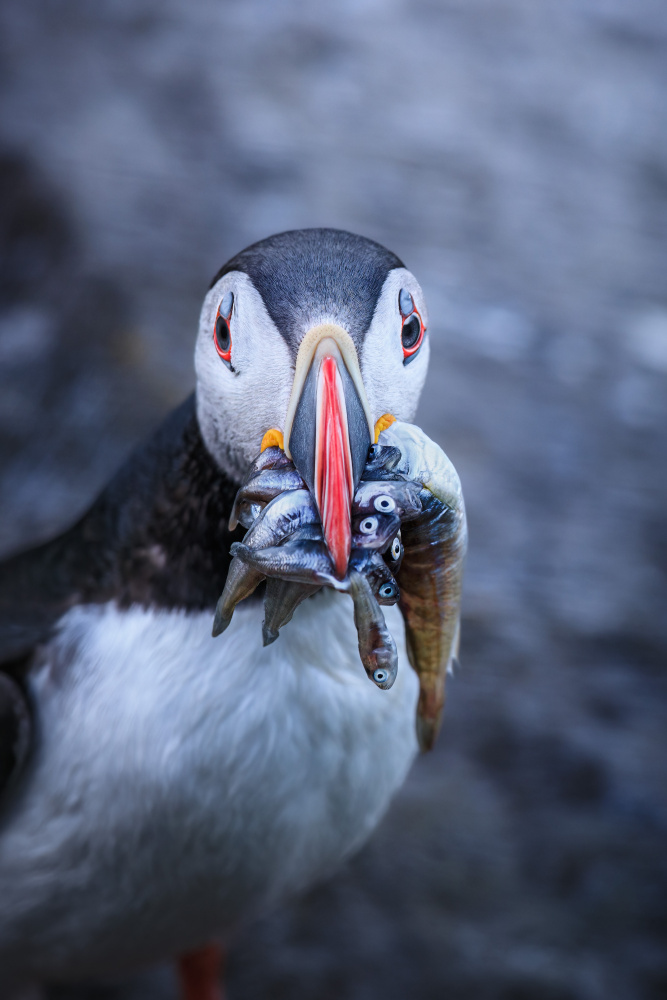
306 276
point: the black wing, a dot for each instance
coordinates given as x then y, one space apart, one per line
36 588
15 729
157 536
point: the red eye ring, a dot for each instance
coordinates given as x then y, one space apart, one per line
411 351
222 335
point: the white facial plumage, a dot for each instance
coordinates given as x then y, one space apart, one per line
391 386
237 405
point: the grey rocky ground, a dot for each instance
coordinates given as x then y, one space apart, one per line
514 153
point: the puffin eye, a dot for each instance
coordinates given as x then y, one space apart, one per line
222 336
412 336
413 330
368 525
385 504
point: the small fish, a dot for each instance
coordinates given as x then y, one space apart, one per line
242 580
387 497
431 573
284 515
270 458
303 561
407 506
374 531
381 458
307 533
281 601
257 492
430 580
284 596
377 648
370 563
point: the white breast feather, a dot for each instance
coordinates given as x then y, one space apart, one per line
181 780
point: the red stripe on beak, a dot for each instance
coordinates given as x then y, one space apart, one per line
334 487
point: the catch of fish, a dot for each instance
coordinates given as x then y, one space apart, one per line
408 547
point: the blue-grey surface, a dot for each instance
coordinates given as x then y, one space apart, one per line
514 154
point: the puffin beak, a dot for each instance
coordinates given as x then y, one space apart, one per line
328 430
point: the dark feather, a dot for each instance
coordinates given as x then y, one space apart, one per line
157 536
305 274
15 729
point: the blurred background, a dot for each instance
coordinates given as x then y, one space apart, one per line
514 154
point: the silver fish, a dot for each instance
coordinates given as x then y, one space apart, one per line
377 648
242 580
371 564
281 517
270 458
257 492
374 531
284 515
387 497
281 601
307 533
284 596
306 561
381 459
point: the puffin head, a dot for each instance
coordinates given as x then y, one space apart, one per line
313 340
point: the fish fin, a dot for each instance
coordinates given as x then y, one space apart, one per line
220 620
268 636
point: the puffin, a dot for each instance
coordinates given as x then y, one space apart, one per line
158 784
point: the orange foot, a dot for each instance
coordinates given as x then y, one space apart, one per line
200 973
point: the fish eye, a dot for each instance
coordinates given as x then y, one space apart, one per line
396 548
222 335
368 525
387 590
380 675
385 504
